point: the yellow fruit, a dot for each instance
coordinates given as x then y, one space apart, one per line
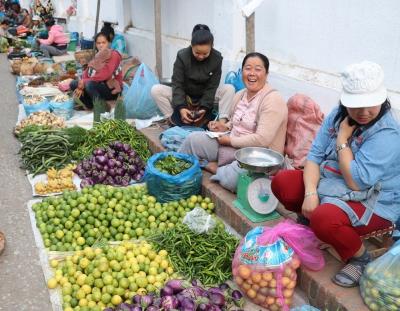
163 253
86 288
52 283
116 300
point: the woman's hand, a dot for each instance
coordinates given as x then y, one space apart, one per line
186 116
310 203
217 126
78 93
199 115
224 140
345 131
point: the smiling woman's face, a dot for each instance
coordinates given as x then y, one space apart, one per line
254 74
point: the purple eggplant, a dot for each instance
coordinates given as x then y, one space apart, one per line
237 298
194 292
214 308
86 182
187 304
153 308
169 302
177 285
215 290
216 298
98 152
224 286
126 148
137 299
166 291
123 307
136 308
101 159
146 301
203 307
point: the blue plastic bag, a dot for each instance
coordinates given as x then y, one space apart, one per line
172 138
41 106
137 100
235 78
167 187
66 108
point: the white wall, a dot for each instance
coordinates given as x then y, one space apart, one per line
308 41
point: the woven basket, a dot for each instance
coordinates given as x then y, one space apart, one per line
16 66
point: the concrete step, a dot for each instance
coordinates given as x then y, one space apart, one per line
317 286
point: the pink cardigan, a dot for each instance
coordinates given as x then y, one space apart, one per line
271 125
56 36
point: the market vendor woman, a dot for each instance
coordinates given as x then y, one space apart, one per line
195 84
350 184
103 77
57 41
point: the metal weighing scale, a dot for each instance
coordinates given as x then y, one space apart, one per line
254 196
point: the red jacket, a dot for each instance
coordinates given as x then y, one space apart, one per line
111 70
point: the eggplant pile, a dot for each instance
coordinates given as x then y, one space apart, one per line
114 165
184 296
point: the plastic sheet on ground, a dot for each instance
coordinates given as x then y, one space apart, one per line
47 91
141 124
55 294
43 178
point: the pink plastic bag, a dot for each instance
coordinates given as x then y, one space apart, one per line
265 263
304 121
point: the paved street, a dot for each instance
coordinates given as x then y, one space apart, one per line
22 284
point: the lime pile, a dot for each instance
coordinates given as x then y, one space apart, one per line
95 278
105 213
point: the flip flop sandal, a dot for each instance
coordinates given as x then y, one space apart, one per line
351 272
2 242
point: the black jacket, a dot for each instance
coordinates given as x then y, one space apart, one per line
199 80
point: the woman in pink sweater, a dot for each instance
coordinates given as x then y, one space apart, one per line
56 43
258 119
103 76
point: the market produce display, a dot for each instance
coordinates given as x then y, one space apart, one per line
380 282
184 296
78 219
207 257
45 149
115 165
113 130
172 165
34 100
57 181
100 277
41 118
61 98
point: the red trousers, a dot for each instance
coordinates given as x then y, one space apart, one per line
329 223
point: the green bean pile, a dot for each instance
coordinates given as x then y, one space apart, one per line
111 130
44 149
207 257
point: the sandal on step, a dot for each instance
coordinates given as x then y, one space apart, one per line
349 276
2 242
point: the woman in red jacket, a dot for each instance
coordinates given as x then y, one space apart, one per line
103 76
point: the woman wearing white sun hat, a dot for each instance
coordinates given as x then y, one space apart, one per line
350 184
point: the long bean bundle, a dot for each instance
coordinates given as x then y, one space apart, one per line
44 149
207 257
102 134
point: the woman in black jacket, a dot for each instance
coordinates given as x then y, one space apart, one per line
195 84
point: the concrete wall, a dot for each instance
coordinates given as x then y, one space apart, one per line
307 41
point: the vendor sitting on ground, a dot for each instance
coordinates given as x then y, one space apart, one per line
37 26
4 25
57 42
118 42
195 79
350 184
24 19
103 77
258 119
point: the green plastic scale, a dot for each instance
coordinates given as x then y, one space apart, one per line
254 196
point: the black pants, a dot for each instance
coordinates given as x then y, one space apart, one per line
177 120
94 90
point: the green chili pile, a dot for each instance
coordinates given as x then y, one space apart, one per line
207 256
172 165
103 133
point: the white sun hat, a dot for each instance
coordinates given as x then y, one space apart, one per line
363 85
